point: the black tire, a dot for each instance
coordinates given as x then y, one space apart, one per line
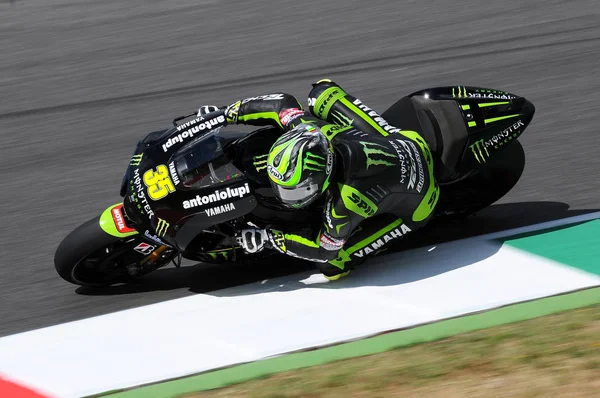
88 256
489 184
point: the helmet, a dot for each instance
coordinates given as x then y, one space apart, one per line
299 165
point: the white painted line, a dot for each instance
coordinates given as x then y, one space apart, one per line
269 318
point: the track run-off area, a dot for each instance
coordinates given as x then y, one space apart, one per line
287 314
82 81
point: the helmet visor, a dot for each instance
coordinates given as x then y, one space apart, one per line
299 195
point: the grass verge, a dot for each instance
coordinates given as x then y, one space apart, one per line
556 355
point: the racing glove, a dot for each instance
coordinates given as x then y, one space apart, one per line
232 112
206 109
254 240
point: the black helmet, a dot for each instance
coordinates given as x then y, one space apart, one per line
300 164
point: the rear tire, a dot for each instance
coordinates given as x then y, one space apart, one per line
492 181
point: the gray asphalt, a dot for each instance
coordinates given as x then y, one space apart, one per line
82 81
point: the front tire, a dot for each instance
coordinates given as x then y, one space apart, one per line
88 256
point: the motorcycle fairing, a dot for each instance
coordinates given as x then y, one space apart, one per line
202 184
113 223
463 125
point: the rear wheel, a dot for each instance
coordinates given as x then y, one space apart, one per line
486 186
88 256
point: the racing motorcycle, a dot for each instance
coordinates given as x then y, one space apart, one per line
189 201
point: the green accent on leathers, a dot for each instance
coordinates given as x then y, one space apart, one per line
274 116
344 254
331 130
356 202
337 217
432 195
325 100
372 148
303 241
342 120
360 112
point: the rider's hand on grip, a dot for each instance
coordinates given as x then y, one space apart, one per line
232 112
252 240
206 109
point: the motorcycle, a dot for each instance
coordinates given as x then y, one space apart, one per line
190 187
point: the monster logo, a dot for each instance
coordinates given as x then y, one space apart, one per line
372 149
462 92
340 119
260 162
162 227
138 194
313 162
136 160
220 253
478 149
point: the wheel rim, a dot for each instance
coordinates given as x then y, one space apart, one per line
107 265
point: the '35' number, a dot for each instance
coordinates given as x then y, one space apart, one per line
158 182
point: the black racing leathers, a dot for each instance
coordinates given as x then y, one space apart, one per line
383 185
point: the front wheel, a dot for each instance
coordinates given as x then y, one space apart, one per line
88 256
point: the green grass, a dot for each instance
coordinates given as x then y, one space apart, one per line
556 355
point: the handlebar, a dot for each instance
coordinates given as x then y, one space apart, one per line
220 111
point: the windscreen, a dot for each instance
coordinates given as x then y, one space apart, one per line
202 163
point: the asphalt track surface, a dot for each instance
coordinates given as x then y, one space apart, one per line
82 81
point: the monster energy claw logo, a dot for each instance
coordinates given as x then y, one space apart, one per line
313 162
136 160
370 149
216 254
260 162
161 227
478 149
341 119
462 92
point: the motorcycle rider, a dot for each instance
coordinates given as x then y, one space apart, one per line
376 179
